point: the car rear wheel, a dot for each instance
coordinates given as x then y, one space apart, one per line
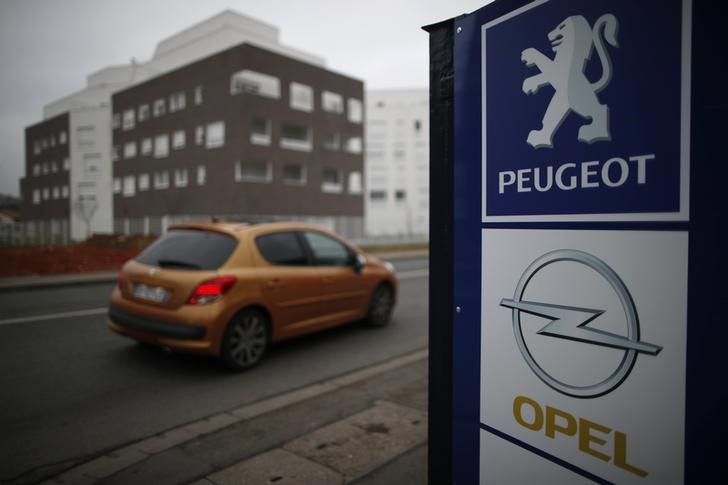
246 340
380 306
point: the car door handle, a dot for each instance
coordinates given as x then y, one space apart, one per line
327 280
272 284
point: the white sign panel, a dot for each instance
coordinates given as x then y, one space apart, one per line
583 354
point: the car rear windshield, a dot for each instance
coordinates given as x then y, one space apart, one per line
189 249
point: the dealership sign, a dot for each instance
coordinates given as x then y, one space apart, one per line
575 151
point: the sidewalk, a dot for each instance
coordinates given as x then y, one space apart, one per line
48 281
365 427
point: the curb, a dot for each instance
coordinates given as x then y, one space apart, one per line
118 459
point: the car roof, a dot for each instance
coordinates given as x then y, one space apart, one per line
237 229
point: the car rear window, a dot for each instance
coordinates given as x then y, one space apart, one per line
189 249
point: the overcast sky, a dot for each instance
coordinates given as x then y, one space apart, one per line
47 47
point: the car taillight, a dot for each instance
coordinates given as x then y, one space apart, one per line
210 290
121 280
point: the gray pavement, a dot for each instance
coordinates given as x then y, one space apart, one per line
368 426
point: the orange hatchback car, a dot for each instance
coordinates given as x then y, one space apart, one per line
230 289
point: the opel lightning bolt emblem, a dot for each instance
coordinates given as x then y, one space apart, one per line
571 323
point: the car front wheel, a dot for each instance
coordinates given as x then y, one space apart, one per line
380 307
245 340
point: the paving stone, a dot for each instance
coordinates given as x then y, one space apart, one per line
277 467
173 467
365 441
409 468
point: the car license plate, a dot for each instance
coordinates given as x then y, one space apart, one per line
151 293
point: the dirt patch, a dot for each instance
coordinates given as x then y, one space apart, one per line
55 260
100 253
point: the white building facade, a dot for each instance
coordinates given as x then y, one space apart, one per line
397 164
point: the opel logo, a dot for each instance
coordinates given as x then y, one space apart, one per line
571 323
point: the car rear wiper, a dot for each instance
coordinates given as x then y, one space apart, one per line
171 263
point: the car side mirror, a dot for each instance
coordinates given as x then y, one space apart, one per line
358 262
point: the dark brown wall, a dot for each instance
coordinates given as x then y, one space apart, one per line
51 208
222 194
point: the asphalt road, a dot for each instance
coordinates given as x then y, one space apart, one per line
71 389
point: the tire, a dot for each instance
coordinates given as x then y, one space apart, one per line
246 340
380 306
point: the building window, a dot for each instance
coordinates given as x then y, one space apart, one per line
161 146
46 193
44 143
66 164
92 164
36 169
143 113
301 97
198 95
159 107
36 148
378 195
201 175
161 180
129 189
64 192
127 120
54 167
177 101
296 137
56 193
331 181
260 130
355 110
354 144
115 153
215 134
143 181
146 146
418 126
46 168
180 177
400 195
117 185
332 141
294 174
255 83
178 139
36 196
130 149
116 121
253 171
86 136
332 102
355 186
53 140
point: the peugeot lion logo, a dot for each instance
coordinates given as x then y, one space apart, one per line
571 323
573 41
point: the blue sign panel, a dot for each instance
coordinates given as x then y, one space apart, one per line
573 241
584 113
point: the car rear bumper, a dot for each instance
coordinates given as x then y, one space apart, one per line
176 336
157 328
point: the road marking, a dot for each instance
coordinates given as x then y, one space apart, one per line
406 275
51 316
418 273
